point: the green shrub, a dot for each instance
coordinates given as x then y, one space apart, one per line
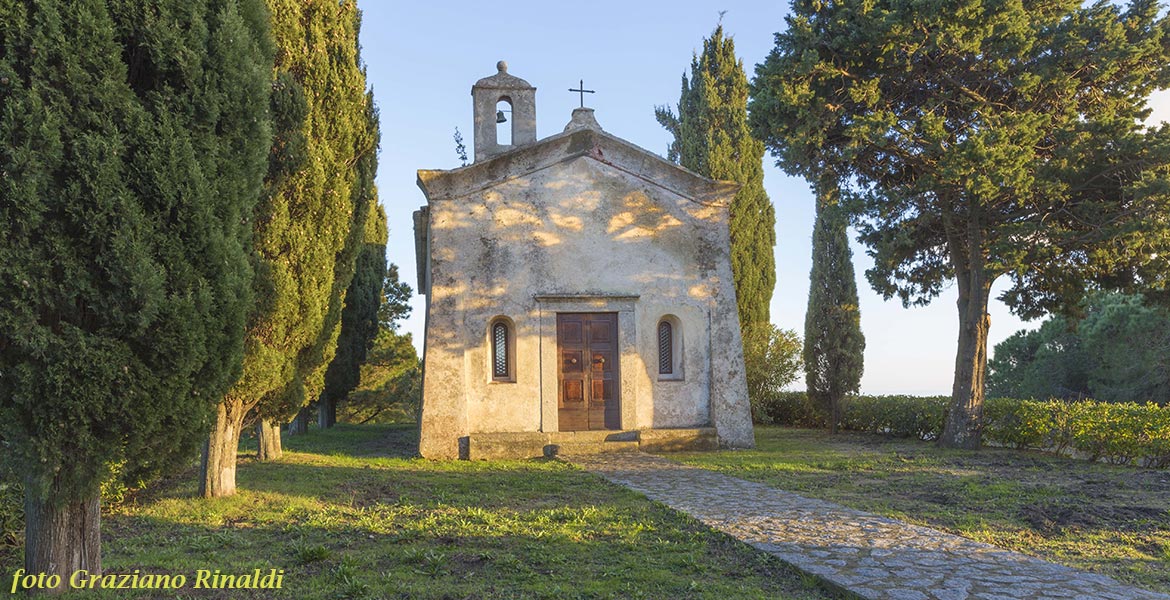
793 409
918 417
1122 433
1118 433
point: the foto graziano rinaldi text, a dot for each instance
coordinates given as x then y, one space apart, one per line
200 579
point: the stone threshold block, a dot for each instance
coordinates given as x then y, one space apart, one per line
538 444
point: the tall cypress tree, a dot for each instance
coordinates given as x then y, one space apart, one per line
712 138
309 227
359 319
132 148
833 343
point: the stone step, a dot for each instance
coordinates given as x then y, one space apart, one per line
534 444
591 437
675 440
580 448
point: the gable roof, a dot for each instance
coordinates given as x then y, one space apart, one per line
582 138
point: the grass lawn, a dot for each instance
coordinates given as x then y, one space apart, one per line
349 514
1101 518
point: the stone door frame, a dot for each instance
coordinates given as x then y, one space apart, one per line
548 305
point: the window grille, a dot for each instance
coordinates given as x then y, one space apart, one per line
665 348
500 351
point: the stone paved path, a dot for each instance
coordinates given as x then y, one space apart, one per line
874 557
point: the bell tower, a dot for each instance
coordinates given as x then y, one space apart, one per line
503 100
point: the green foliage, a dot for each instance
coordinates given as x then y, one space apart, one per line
1117 352
359 318
900 416
1118 433
834 347
973 143
1128 343
712 138
771 359
793 409
395 304
972 125
391 383
319 196
132 150
1050 362
11 504
390 388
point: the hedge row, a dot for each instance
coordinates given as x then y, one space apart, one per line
1119 433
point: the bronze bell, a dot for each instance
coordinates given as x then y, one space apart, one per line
500 118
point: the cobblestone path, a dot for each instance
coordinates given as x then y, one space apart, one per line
874 557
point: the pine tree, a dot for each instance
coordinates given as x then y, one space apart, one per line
391 377
309 227
982 142
359 320
132 151
833 343
712 138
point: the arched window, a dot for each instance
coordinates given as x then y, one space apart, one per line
670 352
502 340
665 348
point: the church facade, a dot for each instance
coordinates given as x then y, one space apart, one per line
579 291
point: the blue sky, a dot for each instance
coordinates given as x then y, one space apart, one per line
423 57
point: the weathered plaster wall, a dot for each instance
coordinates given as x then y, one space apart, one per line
582 235
681 402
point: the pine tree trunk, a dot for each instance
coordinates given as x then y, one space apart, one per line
964 422
219 453
268 440
300 425
61 540
326 412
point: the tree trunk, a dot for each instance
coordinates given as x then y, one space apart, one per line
300 425
326 412
61 540
964 421
219 453
268 440
834 413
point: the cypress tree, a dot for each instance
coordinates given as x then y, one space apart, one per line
712 138
132 148
309 227
359 320
833 343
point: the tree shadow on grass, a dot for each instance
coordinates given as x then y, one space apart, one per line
413 528
670 558
385 441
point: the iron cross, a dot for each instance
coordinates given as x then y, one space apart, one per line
583 91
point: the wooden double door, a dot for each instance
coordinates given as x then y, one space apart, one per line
589 396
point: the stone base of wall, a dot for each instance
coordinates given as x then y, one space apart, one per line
537 444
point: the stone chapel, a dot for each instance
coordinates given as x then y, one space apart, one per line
579 294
